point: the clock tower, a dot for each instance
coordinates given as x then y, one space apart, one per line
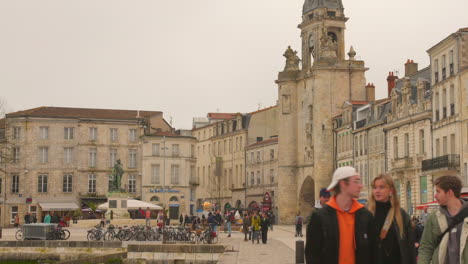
309 97
322 31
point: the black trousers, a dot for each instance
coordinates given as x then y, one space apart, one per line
264 235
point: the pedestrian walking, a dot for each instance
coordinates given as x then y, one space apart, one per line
418 231
54 218
246 227
324 197
27 218
341 231
181 220
47 218
446 232
393 231
17 221
271 217
423 216
230 220
148 216
299 221
255 224
264 225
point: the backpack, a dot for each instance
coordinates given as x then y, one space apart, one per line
456 220
299 220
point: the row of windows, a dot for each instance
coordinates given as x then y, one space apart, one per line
440 104
157 150
258 158
445 150
441 70
205 175
259 179
68 156
363 143
218 149
67 183
220 129
156 174
69 133
406 145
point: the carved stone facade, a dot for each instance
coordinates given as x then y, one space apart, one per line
409 136
449 79
67 154
221 156
169 178
309 98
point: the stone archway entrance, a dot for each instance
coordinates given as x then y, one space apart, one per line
307 197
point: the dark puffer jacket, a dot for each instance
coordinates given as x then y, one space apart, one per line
322 243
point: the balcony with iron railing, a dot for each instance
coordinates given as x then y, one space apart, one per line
446 162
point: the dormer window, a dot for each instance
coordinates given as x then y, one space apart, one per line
331 13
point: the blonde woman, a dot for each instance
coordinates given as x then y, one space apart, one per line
394 241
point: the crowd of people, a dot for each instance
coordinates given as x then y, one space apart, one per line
343 231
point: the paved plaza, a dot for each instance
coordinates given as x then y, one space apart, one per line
280 247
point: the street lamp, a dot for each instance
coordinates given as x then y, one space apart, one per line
164 175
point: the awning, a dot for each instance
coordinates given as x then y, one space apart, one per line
430 205
58 206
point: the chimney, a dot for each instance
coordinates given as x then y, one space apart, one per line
370 92
391 82
410 68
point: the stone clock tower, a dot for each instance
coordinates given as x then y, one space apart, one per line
309 97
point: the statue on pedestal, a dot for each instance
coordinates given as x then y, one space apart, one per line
117 173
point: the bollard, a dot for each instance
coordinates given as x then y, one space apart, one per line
300 252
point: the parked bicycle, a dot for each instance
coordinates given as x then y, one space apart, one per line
95 234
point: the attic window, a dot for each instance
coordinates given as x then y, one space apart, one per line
331 13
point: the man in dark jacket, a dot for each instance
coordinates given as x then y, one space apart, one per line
342 229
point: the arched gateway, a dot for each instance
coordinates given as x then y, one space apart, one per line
307 197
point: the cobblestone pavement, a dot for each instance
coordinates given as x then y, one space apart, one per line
280 247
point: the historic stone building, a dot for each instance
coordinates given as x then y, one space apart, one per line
369 143
221 156
309 98
408 136
168 168
262 168
59 158
449 70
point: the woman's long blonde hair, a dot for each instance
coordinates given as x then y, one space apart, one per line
394 200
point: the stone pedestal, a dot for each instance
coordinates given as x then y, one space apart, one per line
118 204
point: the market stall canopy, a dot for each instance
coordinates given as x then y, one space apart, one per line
58 206
133 204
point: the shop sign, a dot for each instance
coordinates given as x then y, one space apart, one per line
174 205
164 190
28 200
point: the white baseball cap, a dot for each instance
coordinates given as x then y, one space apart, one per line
341 174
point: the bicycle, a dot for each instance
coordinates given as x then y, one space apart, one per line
95 234
19 234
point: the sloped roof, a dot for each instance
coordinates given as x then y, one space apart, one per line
67 112
262 110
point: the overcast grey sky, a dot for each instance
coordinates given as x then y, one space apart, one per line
190 57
